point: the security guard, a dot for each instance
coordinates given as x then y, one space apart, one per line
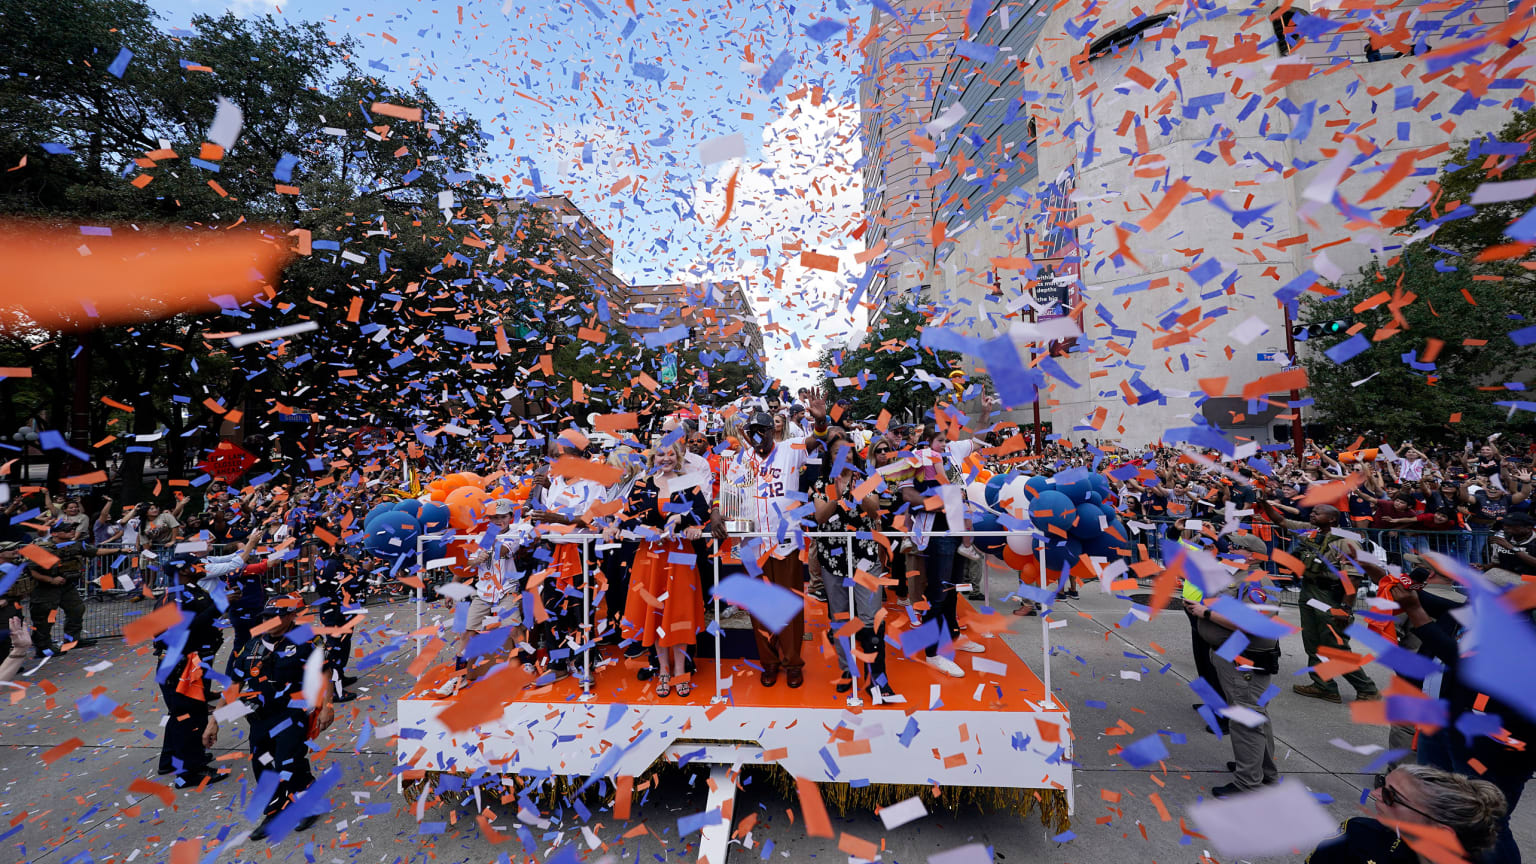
1327 602
187 652
58 588
270 674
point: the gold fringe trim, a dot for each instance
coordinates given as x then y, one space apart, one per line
1051 804
551 792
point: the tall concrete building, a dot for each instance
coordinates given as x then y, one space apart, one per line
903 63
1183 172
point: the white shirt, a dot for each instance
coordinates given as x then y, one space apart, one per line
495 576
1410 470
572 498
776 477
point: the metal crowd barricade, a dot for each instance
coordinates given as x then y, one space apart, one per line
587 599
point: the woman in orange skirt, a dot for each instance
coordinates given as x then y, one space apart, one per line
665 607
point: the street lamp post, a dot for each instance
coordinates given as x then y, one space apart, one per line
1297 445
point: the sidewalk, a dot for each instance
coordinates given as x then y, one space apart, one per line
82 803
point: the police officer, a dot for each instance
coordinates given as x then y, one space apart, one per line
58 588
270 674
334 582
187 652
1327 601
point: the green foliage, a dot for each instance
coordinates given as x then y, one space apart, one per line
1405 403
1442 296
1468 167
887 362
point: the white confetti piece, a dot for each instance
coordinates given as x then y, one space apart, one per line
1249 330
227 120
243 339
902 812
1271 820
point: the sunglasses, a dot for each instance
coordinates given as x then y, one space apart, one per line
1393 798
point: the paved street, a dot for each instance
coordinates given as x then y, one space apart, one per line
82 808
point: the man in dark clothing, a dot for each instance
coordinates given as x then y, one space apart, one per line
1327 597
187 651
333 576
270 675
58 588
1505 766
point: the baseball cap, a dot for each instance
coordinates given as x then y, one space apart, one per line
761 418
499 507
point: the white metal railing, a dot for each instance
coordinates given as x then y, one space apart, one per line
587 640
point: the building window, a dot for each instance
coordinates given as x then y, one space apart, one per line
1286 37
1112 43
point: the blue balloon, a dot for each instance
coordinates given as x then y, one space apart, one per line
1100 484
1062 555
1037 484
989 545
377 511
994 490
433 549
1076 489
1087 525
1051 508
393 525
409 505
434 518
1095 498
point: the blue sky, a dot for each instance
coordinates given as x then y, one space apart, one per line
636 92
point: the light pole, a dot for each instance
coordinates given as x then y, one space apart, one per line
1297 445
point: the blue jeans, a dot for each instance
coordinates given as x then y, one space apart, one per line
939 588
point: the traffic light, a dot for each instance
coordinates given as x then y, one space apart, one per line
1336 327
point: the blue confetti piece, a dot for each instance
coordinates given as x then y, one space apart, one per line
650 71
1525 336
824 29
120 63
1351 348
776 71
285 165
58 149
1147 751
1209 269
774 607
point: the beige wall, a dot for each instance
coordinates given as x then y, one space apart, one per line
1116 187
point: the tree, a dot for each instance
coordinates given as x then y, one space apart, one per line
889 369
1390 387
1437 356
1504 156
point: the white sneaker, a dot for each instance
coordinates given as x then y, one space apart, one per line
969 646
946 665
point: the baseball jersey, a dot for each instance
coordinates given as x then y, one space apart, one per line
776 477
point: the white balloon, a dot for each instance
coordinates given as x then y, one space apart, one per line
1022 544
976 492
1013 497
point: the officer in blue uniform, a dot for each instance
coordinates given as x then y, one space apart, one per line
186 654
270 674
335 580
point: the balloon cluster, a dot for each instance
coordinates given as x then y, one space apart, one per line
1069 514
457 502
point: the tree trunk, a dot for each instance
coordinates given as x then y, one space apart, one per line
133 463
80 402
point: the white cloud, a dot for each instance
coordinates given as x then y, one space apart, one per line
804 197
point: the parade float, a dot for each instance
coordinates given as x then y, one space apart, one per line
997 738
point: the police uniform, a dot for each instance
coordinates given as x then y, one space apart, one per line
270 674
47 597
187 650
1319 583
334 602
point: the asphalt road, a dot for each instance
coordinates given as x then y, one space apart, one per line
82 809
